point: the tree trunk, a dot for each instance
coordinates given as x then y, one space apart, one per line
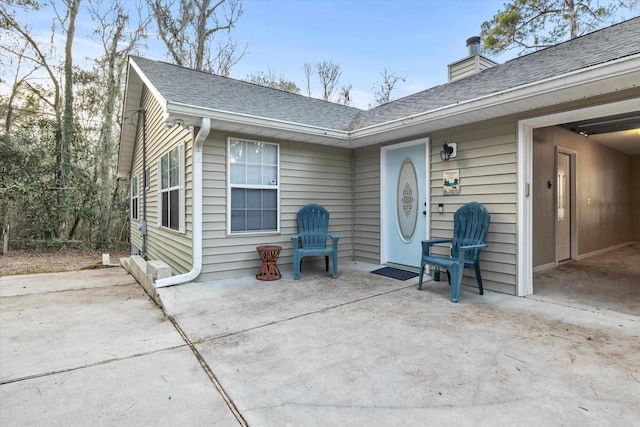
572 17
68 120
105 145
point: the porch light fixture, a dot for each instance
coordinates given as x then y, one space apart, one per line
176 123
449 151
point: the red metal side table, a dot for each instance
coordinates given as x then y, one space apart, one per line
269 270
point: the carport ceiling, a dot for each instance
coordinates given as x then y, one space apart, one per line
620 132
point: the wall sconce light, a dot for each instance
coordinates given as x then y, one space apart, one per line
177 123
449 151
440 207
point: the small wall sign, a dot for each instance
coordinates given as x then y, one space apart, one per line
451 182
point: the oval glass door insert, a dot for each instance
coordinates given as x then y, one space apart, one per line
407 200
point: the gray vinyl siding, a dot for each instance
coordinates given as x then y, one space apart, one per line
462 69
488 174
485 63
367 205
308 174
487 161
468 67
167 245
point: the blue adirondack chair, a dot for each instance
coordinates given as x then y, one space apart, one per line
313 226
471 223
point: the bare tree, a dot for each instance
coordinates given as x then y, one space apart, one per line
20 80
345 94
270 79
52 97
227 55
308 72
329 74
384 88
69 19
118 40
187 28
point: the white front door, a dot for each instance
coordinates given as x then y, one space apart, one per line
563 197
405 203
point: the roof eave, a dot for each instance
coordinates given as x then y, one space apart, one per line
135 82
245 123
621 74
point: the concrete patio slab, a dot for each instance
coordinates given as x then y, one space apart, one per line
362 349
369 350
230 306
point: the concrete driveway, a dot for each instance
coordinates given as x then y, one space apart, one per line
359 350
90 348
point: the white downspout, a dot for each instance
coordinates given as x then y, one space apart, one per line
196 266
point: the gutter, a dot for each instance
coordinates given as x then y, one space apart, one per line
366 136
180 109
196 266
597 73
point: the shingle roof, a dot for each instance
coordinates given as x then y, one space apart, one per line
209 91
186 86
601 46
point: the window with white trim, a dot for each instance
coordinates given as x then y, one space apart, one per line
135 198
253 186
171 203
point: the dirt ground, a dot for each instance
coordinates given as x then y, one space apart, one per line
30 262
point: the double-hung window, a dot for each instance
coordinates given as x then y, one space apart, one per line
135 198
171 207
253 186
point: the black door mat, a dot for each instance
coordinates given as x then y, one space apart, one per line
395 273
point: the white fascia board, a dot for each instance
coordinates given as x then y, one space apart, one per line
156 94
178 110
563 82
127 136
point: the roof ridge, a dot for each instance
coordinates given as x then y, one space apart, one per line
563 42
240 81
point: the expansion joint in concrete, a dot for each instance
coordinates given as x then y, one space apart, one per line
210 374
311 313
89 365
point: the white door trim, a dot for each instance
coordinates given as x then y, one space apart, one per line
573 187
384 256
525 172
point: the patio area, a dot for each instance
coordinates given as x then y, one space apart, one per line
90 347
369 350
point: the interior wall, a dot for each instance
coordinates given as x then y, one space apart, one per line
635 196
605 192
